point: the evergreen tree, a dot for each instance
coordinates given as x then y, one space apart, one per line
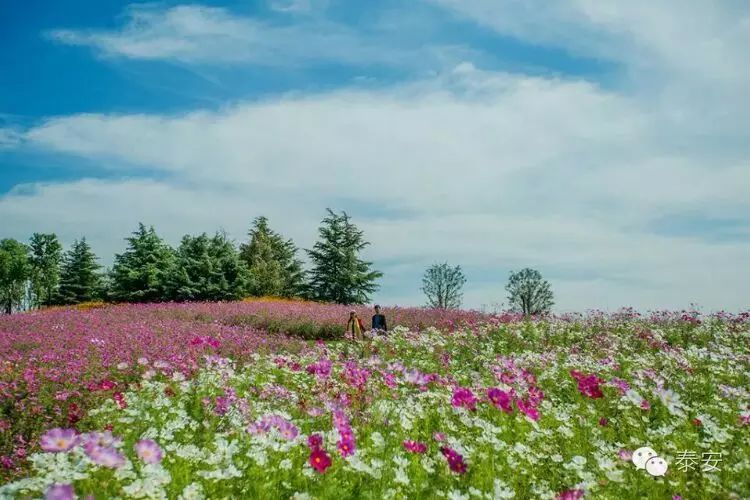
338 274
14 274
443 284
272 260
80 278
208 269
142 272
45 259
529 293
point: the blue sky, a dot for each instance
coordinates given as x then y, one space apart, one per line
605 144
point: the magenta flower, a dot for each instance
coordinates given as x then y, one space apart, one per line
57 440
148 451
588 385
319 460
624 454
439 436
463 397
570 495
603 421
314 441
415 446
500 399
120 400
528 409
455 460
347 447
60 492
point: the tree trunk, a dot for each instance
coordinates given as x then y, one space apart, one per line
9 307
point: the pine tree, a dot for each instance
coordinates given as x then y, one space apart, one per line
208 269
142 272
272 260
80 278
45 260
14 274
338 274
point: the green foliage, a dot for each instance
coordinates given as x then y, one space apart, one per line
14 273
529 293
142 273
208 268
274 267
443 285
45 259
338 274
80 280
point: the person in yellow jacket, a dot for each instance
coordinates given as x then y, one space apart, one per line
355 326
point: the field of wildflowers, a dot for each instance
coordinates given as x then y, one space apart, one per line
264 399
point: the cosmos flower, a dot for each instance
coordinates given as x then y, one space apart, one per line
500 399
319 460
455 460
464 398
60 492
107 457
573 494
314 441
59 440
415 446
148 451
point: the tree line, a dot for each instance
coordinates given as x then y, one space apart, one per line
211 267
202 267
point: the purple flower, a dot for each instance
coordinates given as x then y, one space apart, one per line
60 492
314 441
107 457
463 397
500 399
59 440
148 451
415 446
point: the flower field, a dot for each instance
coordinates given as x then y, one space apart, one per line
264 399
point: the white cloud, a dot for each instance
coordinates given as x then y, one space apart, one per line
210 35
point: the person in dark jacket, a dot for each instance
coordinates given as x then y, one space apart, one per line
378 321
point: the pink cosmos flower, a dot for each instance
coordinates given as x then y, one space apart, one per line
319 460
455 460
106 385
315 411
588 385
120 400
107 457
314 441
626 455
94 440
57 440
573 494
347 447
603 421
439 436
645 405
528 409
148 451
415 446
463 397
500 399
60 492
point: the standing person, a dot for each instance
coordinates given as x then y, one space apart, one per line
355 326
378 320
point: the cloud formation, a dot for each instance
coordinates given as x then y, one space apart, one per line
490 170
